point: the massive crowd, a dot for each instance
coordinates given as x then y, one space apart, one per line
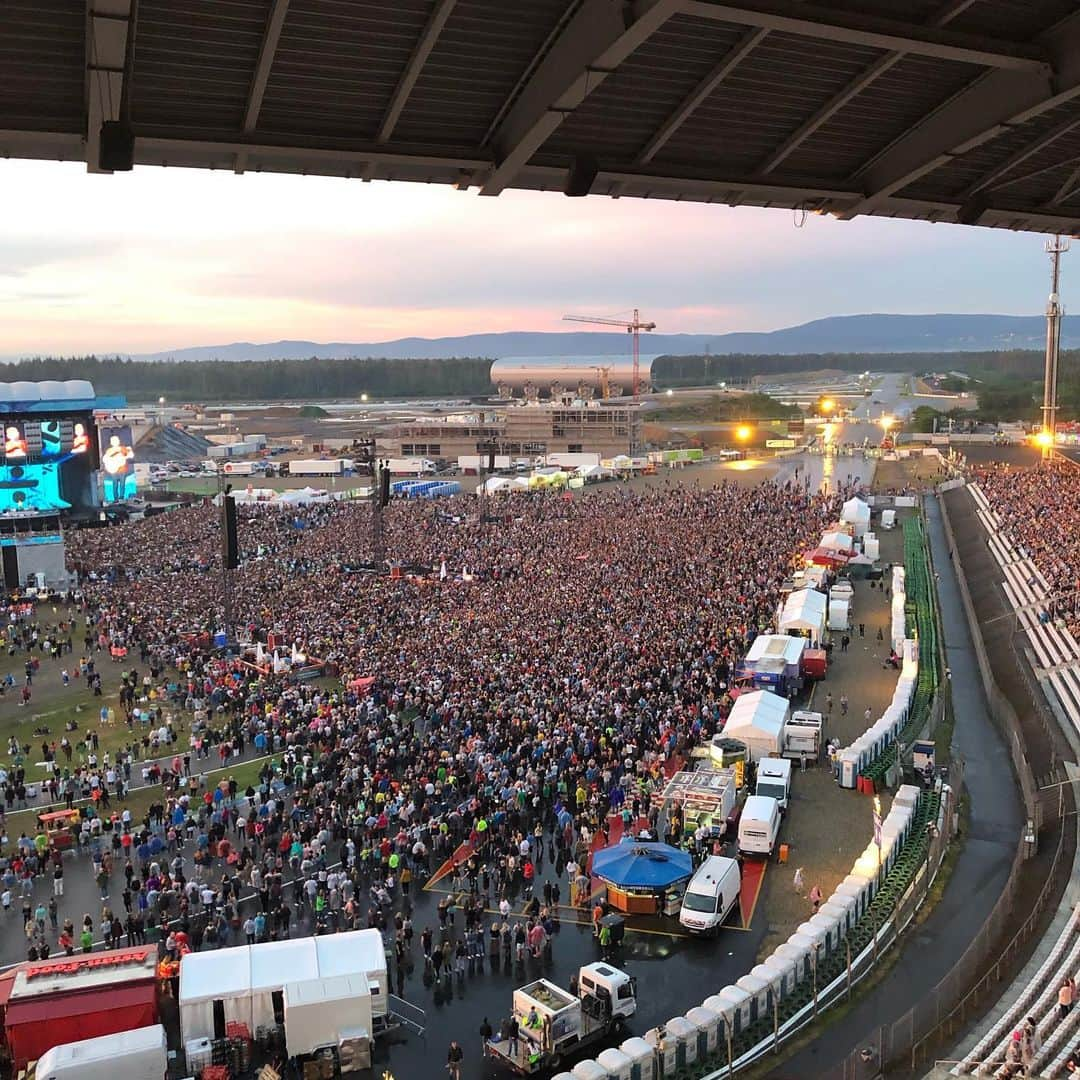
1038 507
537 675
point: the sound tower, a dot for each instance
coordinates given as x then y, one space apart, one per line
384 486
230 546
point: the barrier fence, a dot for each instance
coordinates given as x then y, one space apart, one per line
975 980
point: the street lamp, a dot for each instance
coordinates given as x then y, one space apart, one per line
743 432
670 392
364 397
1044 439
827 405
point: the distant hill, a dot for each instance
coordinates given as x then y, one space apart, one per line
836 334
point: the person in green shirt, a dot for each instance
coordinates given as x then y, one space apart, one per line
86 939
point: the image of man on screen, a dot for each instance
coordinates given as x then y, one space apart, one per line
116 460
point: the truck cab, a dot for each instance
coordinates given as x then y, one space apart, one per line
553 1023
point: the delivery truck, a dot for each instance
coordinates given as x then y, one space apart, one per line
317 467
572 461
712 893
410 466
759 825
553 1023
238 468
774 780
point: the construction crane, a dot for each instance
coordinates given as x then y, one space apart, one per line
633 327
605 385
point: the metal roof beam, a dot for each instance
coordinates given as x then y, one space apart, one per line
275 21
861 82
994 103
728 63
437 20
598 37
809 20
108 24
993 177
1069 188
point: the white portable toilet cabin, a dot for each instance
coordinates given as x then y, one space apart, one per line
617 1064
857 888
781 972
847 768
774 978
739 1000
843 907
664 1046
642 1058
563 1076
709 1023
797 955
892 836
760 992
683 1034
831 925
589 1070
906 795
726 1011
819 938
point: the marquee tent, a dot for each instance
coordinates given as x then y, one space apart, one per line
857 513
804 613
758 719
640 864
836 540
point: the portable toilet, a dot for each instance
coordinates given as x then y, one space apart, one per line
906 795
665 1046
848 768
831 925
589 1070
726 1011
617 1065
782 971
642 1058
858 888
563 1076
819 938
866 866
709 1022
843 907
739 1001
683 1033
759 991
773 978
797 955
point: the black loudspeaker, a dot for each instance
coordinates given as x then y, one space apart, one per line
580 178
384 486
230 546
117 148
11 567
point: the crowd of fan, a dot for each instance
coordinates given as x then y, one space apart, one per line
1038 509
501 704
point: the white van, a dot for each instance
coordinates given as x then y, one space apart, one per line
711 894
774 780
759 825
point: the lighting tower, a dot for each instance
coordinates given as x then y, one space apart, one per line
1054 248
634 327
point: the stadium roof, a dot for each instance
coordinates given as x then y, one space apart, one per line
945 110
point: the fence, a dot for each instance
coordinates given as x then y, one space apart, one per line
976 977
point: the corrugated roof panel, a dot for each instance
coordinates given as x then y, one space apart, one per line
194 61
43 58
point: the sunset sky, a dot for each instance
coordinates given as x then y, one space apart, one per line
160 259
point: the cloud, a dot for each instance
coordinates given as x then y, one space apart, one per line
174 257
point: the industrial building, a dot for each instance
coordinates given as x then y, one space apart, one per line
519 431
559 378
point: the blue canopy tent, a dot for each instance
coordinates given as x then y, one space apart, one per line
640 873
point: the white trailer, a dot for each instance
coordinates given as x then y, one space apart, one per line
803 735
410 466
238 468
318 1011
552 1023
140 1054
317 467
473 464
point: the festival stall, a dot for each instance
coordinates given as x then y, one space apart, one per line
804 614
773 660
758 719
71 998
643 877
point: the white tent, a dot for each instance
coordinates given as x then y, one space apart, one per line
804 612
856 512
758 719
834 540
775 652
222 975
274 964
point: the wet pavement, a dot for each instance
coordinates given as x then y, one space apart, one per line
982 867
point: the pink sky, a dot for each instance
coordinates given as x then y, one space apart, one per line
160 259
